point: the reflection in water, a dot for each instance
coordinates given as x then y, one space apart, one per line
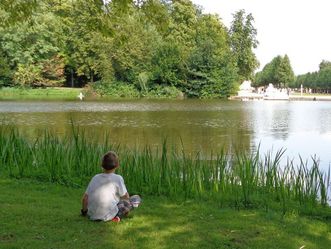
301 127
272 118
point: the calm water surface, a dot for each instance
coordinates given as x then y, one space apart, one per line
301 127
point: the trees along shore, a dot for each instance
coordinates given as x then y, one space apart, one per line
137 48
157 48
279 72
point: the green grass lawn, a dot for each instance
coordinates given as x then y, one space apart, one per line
42 215
50 93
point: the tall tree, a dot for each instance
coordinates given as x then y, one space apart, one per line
178 43
278 71
284 74
158 14
212 71
15 11
33 50
133 45
324 64
319 81
243 41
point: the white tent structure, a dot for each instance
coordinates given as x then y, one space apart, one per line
245 89
246 85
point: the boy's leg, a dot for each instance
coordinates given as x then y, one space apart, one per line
124 207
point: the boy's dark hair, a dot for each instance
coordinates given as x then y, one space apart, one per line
109 160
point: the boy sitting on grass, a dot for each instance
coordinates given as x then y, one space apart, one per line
106 197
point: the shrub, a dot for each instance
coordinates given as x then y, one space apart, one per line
26 75
114 89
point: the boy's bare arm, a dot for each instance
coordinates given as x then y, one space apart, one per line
84 204
126 196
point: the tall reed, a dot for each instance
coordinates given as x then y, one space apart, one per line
241 180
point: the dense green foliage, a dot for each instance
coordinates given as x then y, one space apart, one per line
142 45
319 81
239 181
38 215
278 72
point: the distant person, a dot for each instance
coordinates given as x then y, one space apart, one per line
106 197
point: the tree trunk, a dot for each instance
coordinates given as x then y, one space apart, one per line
72 77
91 76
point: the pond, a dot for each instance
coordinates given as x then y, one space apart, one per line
301 127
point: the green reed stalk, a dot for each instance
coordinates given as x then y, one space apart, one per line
325 186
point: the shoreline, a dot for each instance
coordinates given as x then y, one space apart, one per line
291 97
67 93
311 97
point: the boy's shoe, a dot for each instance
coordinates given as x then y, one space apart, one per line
116 219
135 200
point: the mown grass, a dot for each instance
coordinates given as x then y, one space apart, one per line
49 93
240 181
44 215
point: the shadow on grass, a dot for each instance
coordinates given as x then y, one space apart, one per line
35 215
204 225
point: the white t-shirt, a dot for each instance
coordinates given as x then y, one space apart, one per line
104 192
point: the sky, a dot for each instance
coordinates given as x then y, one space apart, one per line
299 28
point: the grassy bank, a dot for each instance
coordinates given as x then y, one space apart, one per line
238 181
96 92
49 93
43 215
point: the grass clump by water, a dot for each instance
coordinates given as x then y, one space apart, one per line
242 181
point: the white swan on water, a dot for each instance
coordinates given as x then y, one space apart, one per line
81 96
